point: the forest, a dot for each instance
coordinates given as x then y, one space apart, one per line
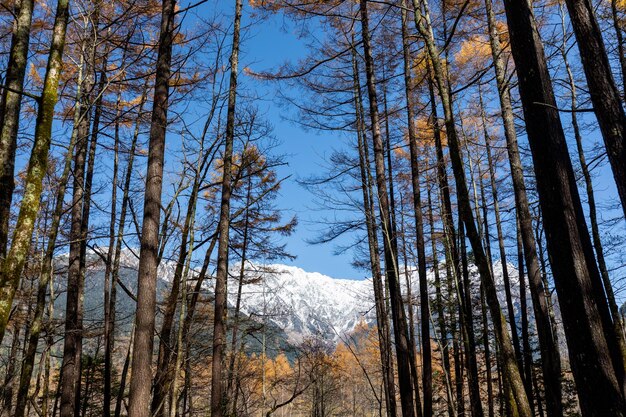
477 179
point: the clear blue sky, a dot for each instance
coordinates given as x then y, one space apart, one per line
266 46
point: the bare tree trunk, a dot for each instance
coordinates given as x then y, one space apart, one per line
550 355
512 372
163 376
45 280
106 412
218 399
594 355
141 373
503 260
13 265
10 105
110 316
370 220
453 262
389 237
526 349
488 373
454 271
441 319
72 346
591 201
242 276
427 385
465 295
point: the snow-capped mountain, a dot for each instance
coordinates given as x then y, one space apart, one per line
304 303
301 304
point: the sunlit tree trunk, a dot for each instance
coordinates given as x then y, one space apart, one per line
13 265
419 227
218 395
141 373
403 354
10 105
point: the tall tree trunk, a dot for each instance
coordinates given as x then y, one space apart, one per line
594 356
488 372
503 261
452 259
13 264
439 306
180 342
485 323
218 399
603 91
109 329
139 401
526 348
163 376
234 352
389 238
10 105
427 385
72 343
106 412
373 246
511 371
453 266
465 295
591 201
550 355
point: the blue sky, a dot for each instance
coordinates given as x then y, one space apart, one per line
266 46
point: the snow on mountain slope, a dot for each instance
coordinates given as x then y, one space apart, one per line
303 304
307 303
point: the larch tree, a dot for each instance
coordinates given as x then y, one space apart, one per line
13 264
141 372
218 393
594 356
10 106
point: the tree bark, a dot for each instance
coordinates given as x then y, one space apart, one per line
427 385
591 201
591 340
10 105
219 401
374 251
550 354
389 236
139 401
13 264
72 343
109 329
